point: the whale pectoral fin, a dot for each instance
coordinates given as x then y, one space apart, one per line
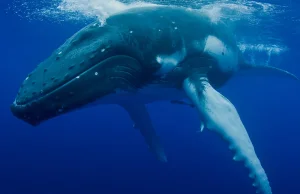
219 115
265 70
142 121
182 102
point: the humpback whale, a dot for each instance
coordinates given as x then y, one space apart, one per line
139 56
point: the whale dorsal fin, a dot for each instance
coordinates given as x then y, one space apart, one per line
266 70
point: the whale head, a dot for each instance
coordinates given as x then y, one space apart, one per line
83 69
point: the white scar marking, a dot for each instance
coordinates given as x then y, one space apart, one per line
226 57
169 62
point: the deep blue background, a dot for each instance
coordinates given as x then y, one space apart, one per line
97 150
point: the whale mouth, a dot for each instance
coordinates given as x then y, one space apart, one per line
61 98
103 78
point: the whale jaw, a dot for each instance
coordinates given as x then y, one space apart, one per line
101 80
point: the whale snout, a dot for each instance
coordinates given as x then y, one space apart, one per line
71 77
81 90
34 113
104 78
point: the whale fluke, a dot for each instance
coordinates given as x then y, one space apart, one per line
219 115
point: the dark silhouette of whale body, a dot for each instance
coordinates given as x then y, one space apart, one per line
140 56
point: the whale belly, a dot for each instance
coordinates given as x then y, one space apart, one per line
145 95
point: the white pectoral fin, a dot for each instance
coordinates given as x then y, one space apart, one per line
142 121
219 115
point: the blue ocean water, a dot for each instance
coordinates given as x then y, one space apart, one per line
96 150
